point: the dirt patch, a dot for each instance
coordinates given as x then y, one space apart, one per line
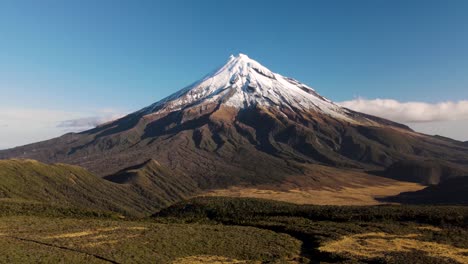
85 233
137 228
372 245
430 228
106 242
98 237
75 234
108 229
358 195
385 235
208 259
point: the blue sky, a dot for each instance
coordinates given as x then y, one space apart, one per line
85 58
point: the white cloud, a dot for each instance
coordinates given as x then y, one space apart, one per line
444 118
452 129
414 112
20 126
88 122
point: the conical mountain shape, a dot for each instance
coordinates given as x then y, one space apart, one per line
246 125
243 82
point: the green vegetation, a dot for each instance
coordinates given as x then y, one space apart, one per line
72 186
64 214
9 207
155 183
316 226
238 210
72 240
238 230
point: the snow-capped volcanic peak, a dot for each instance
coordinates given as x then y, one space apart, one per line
243 82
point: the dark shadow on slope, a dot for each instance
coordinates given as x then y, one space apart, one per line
450 192
310 244
427 172
119 126
123 124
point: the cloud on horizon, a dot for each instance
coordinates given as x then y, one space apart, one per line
20 126
448 118
410 112
87 122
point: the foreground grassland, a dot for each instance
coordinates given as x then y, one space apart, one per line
234 230
66 240
343 234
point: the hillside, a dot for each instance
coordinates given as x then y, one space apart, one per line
66 185
428 172
451 191
156 183
324 185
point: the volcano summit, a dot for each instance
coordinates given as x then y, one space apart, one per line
243 83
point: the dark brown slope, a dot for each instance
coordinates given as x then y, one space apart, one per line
66 185
451 191
427 172
219 146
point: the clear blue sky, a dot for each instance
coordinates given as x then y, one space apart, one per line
127 54
87 54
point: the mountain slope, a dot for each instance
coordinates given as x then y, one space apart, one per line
245 125
155 183
65 185
451 191
428 172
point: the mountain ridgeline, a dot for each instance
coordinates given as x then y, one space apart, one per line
244 125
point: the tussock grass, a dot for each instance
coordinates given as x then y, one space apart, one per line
352 195
373 245
210 260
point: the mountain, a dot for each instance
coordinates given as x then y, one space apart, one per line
66 185
427 172
246 125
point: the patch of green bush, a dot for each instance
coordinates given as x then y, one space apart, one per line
317 225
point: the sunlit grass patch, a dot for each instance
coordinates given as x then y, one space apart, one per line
206 259
373 245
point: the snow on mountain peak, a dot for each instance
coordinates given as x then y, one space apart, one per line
243 82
